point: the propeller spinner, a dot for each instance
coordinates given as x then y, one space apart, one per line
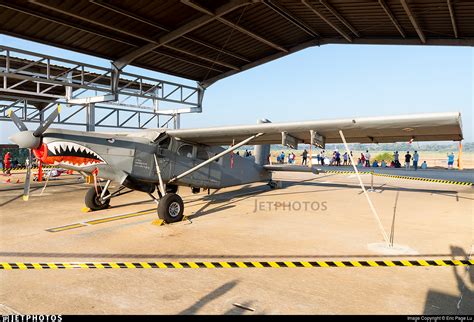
31 140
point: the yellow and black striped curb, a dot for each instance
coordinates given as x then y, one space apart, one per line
32 168
461 183
291 264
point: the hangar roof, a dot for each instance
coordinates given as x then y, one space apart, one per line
207 40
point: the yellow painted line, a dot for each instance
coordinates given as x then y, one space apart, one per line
406 263
423 262
108 219
54 230
274 264
99 221
321 263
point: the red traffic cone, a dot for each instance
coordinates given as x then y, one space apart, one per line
18 181
8 181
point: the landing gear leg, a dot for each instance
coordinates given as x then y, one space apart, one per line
94 201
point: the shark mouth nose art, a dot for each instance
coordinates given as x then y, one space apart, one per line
69 153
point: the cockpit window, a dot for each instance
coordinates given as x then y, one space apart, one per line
186 150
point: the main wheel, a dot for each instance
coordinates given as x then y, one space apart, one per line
171 208
93 201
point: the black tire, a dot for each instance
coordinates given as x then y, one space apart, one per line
272 185
171 188
171 208
92 199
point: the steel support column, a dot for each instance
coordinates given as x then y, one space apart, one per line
90 117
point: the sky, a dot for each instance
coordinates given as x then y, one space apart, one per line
327 82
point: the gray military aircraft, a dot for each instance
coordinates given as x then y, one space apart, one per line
163 159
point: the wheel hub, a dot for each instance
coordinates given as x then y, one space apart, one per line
174 209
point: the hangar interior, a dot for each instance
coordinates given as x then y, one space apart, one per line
202 41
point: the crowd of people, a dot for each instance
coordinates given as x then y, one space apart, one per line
343 159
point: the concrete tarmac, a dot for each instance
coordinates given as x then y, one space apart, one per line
244 223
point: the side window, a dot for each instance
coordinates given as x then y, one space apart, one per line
165 143
202 154
186 150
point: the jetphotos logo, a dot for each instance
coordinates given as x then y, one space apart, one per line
290 206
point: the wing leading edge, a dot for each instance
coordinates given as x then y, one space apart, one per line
383 129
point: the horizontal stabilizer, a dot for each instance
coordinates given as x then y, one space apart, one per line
292 168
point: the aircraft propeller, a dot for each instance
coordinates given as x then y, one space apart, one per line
31 140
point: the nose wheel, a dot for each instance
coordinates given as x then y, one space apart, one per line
93 200
171 208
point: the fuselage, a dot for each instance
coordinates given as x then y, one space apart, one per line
130 160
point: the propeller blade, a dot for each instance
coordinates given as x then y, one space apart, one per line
19 123
26 190
43 127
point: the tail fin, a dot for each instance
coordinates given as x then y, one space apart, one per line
262 152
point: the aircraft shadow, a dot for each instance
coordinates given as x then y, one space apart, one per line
442 303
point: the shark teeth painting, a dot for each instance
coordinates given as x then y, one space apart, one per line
72 154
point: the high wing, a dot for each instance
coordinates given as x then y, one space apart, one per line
383 129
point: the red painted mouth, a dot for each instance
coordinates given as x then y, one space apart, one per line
67 153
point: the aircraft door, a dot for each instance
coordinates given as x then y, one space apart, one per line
184 161
201 176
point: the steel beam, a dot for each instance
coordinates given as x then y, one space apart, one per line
314 42
394 20
234 25
251 34
453 18
128 33
179 32
136 17
290 17
413 21
94 32
320 15
339 17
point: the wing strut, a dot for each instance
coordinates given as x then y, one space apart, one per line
384 234
217 156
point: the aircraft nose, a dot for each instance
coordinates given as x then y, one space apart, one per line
25 139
